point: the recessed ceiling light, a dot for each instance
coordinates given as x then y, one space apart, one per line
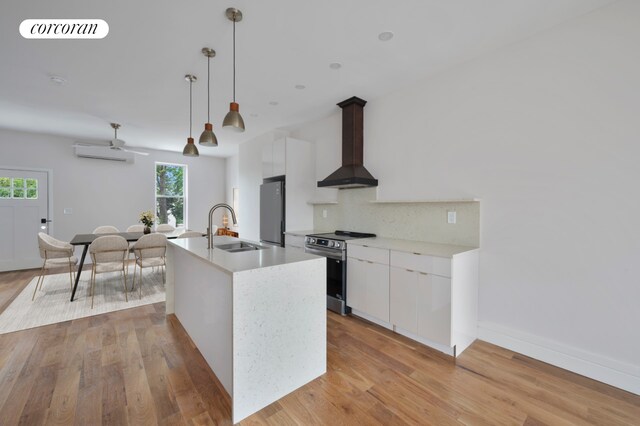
273 103
56 79
300 86
335 65
385 36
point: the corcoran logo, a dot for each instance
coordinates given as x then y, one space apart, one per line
64 28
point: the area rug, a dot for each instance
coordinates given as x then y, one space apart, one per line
52 304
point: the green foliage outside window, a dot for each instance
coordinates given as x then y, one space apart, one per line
5 187
170 193
18 188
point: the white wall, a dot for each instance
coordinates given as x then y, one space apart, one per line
545 132
107 192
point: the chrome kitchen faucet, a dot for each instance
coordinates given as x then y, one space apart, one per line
213 209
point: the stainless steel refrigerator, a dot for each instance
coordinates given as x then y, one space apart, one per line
272 213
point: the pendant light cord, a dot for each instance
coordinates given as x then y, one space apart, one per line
208 90
190 104
234 59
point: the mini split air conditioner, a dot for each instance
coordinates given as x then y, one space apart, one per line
104 153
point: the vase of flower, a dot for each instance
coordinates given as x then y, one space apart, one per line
147 220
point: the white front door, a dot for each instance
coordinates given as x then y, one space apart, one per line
23 213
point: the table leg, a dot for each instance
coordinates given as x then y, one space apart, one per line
84 254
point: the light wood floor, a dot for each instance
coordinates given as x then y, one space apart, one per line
139 367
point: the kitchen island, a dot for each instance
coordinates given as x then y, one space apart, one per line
258 316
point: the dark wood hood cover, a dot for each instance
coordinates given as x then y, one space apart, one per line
352 174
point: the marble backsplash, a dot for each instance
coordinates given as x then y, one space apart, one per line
407 221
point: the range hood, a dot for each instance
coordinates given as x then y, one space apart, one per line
352 174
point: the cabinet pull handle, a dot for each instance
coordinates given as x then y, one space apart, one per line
364 245
410 270
417 254
423 273
368 261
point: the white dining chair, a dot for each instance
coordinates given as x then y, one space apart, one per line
150 251
108 254
133 228
106 229
190 234
55 254
165 228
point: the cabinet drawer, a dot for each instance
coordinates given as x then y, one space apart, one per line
368 253
421 263
293 241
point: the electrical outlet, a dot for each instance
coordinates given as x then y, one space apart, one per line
68 210
324 213
451 217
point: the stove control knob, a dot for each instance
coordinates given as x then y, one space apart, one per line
332 243
336 244
312 240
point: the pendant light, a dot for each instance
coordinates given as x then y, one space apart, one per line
190 149
208 138
233 119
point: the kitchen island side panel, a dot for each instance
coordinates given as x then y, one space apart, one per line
202 303
279 338
464 299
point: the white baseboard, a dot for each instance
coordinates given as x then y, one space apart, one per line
603 369
21 264
447 350
372 319
435 345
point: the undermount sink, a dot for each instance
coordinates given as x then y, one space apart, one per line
238 247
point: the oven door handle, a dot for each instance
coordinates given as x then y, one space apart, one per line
322 253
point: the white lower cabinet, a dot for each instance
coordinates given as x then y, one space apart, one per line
421 304
403 294
378 290
368 284
431 299
357 287
434 308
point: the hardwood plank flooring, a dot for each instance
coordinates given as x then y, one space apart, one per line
139 367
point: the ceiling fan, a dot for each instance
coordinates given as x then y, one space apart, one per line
115 143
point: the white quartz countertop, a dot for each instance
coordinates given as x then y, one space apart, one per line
417 247
300 233
240 261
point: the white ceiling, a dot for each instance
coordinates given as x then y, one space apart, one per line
135 75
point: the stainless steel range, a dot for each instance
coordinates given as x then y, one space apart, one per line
332 246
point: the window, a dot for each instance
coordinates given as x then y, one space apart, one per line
171 194
19 188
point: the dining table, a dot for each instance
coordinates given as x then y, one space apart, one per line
86 240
